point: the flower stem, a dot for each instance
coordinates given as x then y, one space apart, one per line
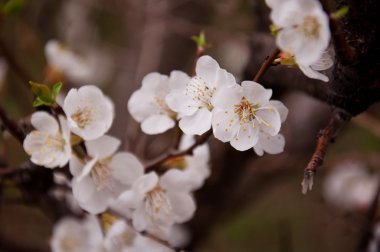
267 63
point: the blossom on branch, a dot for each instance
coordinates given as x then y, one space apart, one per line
148 106
193 101
48 145
90 113
242 112
104 176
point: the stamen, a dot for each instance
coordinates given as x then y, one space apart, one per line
198 90
83 116
157 203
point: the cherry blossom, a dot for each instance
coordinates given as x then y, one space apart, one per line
48 145
241 112
104 176
148 106
193 100
72 235
303 29
89 112
156 203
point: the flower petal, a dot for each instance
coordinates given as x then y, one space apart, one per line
87 169
156 124
256 93
42 121
126 167
271 120
224 124
183 206
282 110
181 103
196 124
272 144
246 138
309 72
145 183
178 80
102 147
207 69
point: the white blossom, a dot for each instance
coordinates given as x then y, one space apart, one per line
104 176
193 100
90 113
303 29
156 203
148 106
323 63
72 235
48 145
272 144
241 112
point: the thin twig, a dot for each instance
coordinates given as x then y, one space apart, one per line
11 126
338 119
150 166
267 63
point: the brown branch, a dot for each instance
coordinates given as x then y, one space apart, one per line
152 165
11 126
337 121
267 63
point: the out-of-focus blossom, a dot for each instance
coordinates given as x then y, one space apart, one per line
89 112
148 106
105 175
48 145
193 101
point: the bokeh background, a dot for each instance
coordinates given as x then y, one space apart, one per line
249 203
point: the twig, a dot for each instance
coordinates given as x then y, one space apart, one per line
267 63
11 126
325 136
150 166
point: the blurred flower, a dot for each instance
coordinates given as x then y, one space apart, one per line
240 112
48 145
147 105
72 235
193 101
105 175
303 29
156 203
90 113
350 186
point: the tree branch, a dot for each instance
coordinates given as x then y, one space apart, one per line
338 119
12 126
267 63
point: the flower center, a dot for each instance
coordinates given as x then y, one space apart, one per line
82 116
245 110
198 90
157 203
69 243
310 26
55 142
177 162
101 174
163 106
123 239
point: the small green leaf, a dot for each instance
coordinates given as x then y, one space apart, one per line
55 90
201 40
42 91
340 13
274 29
13 6
38 103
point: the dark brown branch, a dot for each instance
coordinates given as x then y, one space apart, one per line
152 165
337 121
267 63
11 126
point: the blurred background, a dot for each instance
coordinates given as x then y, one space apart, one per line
249 203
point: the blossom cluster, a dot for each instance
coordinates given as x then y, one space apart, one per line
303 35
241 114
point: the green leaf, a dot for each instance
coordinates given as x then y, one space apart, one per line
340 13
42 91
38 103
201 40
55 90
274 29
13 6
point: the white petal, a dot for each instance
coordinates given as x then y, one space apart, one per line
224 78
272 144
140 105
178 80
227 96
75 165
84 189
98 203
246 138
175 180
225 124
91 93
42 121
140 221
196 124
272 120
309 72
256 93
181 103
183 206
282 110
126 167
207 69
102 147
87 169
145 183
325 62
157 124
129 199
154 82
